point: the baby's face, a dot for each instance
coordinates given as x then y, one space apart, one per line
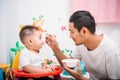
36 40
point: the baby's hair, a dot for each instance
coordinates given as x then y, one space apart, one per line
27 31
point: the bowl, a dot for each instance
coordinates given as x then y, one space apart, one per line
71 63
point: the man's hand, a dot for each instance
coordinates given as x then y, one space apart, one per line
51 41
77 74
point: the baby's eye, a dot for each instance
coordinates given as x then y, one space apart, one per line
40 37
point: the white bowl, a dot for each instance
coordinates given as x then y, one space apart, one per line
71 63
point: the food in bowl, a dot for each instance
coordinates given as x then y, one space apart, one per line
71 63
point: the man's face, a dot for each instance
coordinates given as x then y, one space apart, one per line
75 34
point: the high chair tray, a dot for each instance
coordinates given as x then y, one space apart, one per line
20 73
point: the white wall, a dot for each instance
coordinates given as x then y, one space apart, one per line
112 30
16 12
3 31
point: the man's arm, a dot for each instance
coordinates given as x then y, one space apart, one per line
51 41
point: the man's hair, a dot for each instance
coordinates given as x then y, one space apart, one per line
27 31
83 18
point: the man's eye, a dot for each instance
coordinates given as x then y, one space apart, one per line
71 32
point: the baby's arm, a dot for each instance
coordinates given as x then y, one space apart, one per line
33 69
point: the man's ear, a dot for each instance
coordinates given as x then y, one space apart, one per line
83 30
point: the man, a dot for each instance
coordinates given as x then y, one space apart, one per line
100 54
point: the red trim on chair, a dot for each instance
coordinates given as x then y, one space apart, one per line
20 73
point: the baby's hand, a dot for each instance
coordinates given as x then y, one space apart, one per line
54 67
46 66
47 70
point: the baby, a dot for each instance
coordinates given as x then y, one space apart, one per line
31 60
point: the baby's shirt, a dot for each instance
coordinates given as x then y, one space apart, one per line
28 57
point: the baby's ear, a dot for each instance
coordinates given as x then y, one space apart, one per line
29 41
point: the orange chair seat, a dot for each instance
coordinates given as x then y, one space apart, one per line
16 73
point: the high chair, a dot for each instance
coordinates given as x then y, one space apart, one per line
17 74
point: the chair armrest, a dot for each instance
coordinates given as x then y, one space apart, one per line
20 73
